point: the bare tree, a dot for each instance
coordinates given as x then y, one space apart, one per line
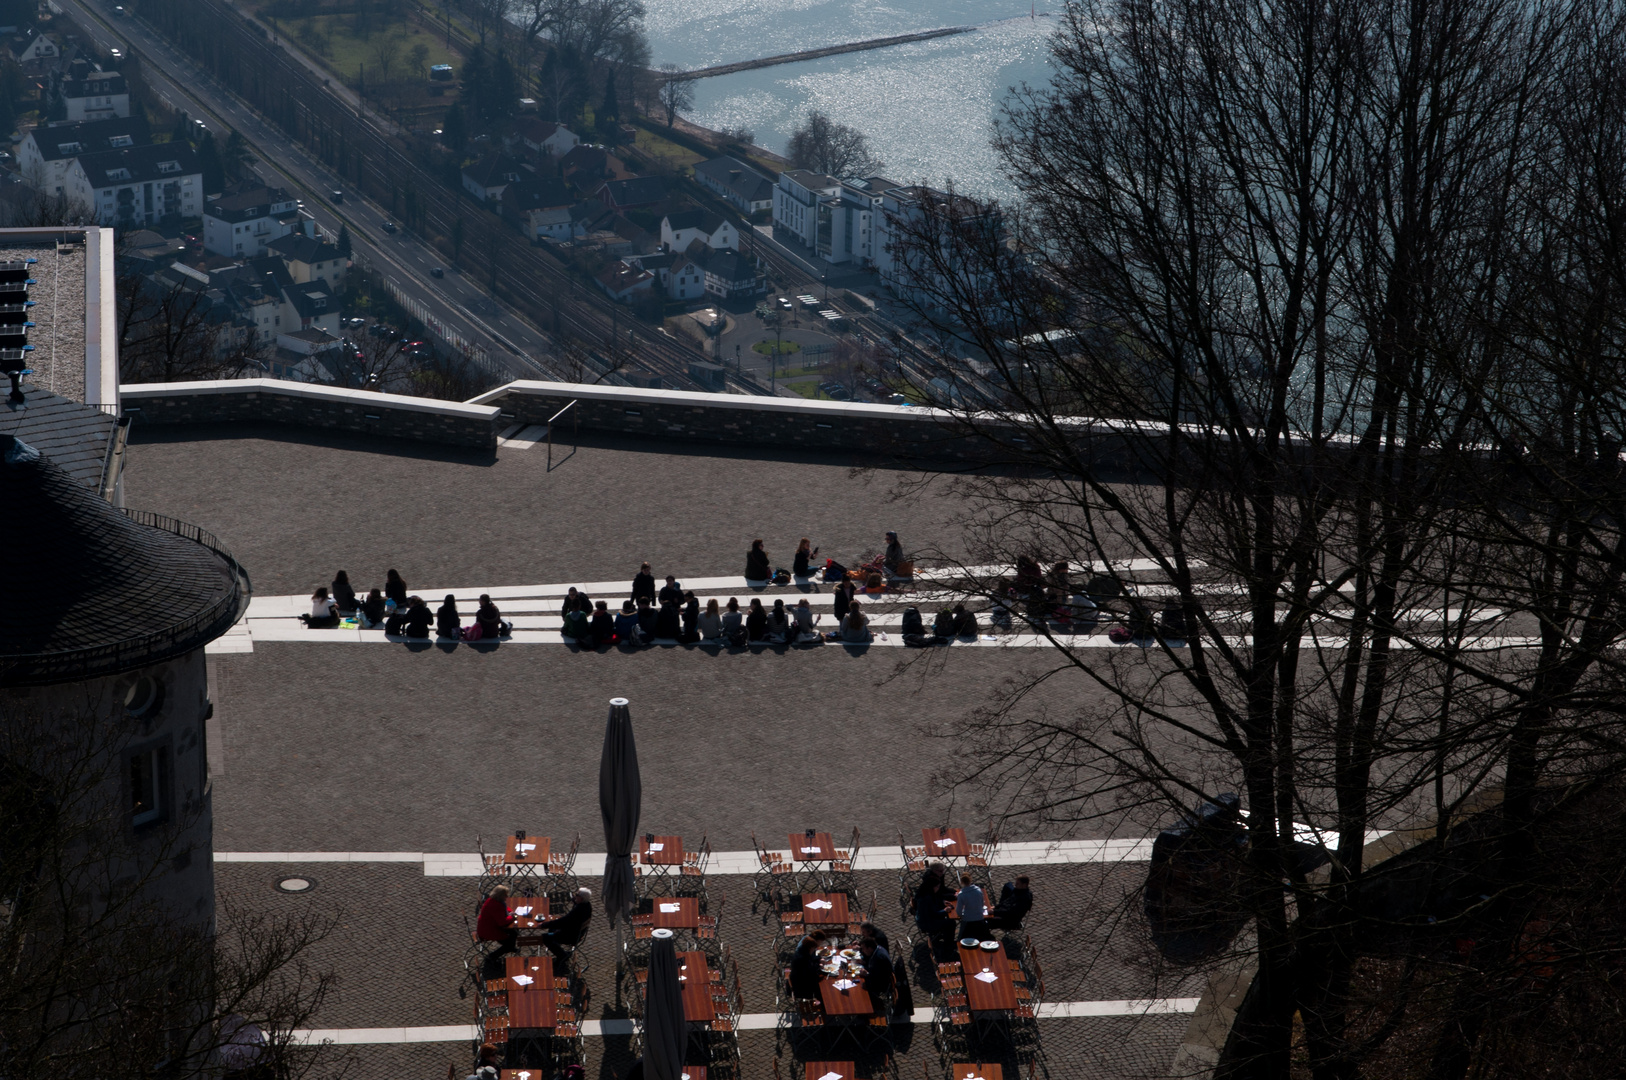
101 978
676 91
173 330
1353 397
490 17
386 51
823 146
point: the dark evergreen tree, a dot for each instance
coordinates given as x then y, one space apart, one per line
343 243
611 108
214 174
454 129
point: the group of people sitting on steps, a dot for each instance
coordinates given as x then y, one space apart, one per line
398 612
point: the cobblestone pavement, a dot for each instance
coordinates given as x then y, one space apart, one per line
296 505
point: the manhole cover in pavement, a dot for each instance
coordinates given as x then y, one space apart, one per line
296 884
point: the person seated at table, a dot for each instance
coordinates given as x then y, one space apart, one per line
845 591
805 972
855 627
418 618
670 591
971 906
893 555
496 922
757 566
870 930
734 623
627 630
447 621
806 618
370 613
668 621
601 631
492 624
930 904
691 619
779 623
804 555
395 588
643 584
344 597
878 979
561 935
756 623
647 615
576 601
711 622
324 615
1015 901
487 1065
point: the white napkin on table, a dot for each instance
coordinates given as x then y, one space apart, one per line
987 976
522 848
657 847
522 980
822 905
844 984
831 1076
943 843
810 851
522 910
671 907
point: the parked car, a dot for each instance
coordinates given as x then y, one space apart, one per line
784 302
355 320
437 271
389 226
383 330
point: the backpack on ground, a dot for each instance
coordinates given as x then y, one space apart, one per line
781 576
913 623
943 625
834 571
472 632
965 624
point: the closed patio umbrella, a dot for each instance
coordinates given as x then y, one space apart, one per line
666 1035
620 798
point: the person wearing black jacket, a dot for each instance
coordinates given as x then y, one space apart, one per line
691 618
372 610
666 622
1015 901
643 585
395 588
894 553
757 566
418 618
804 554
576 601
756 622
648 616
845 592
670 591
878 978
447 621
565 933
931 900
602 629
344 597
804 967
490 619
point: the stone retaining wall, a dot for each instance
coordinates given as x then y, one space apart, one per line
303 405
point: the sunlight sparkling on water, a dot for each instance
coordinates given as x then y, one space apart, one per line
928 107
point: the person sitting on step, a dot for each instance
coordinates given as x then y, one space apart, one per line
757 565
756 622
691 619
643 585
324 613
447 621
804 555
855 627
492 624
670 591
418 618
668 621
779 624
807 620
395 588
601 631
370 614
575 601
711 622
648 615
734 623
627 629
344 597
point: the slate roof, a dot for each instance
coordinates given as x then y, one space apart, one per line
143 163
636 191
57 142
302 248
739 178
706 221
75 435
537 193
104 591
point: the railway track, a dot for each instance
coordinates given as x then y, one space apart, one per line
372 162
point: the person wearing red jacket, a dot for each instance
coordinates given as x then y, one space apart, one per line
496 922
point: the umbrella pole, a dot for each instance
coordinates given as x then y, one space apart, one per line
619 954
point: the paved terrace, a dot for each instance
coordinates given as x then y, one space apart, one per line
375 771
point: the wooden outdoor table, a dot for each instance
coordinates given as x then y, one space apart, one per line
538 911
956 848
536 856
819 1070
523 1074
686 917
854 1002
982 996
969 1072
835 914
696 988
692 1072
539 968
815 848
531 1008
670 853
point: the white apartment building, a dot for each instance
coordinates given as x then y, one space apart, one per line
242 224
138 185
796 203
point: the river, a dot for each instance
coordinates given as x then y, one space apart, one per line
928 107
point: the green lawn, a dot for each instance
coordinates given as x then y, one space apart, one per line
767 348
679 157
331 39
810 390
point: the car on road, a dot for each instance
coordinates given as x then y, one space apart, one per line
389 226
437 271
116 54
355 320
784 302
336 195
383 330
118 9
